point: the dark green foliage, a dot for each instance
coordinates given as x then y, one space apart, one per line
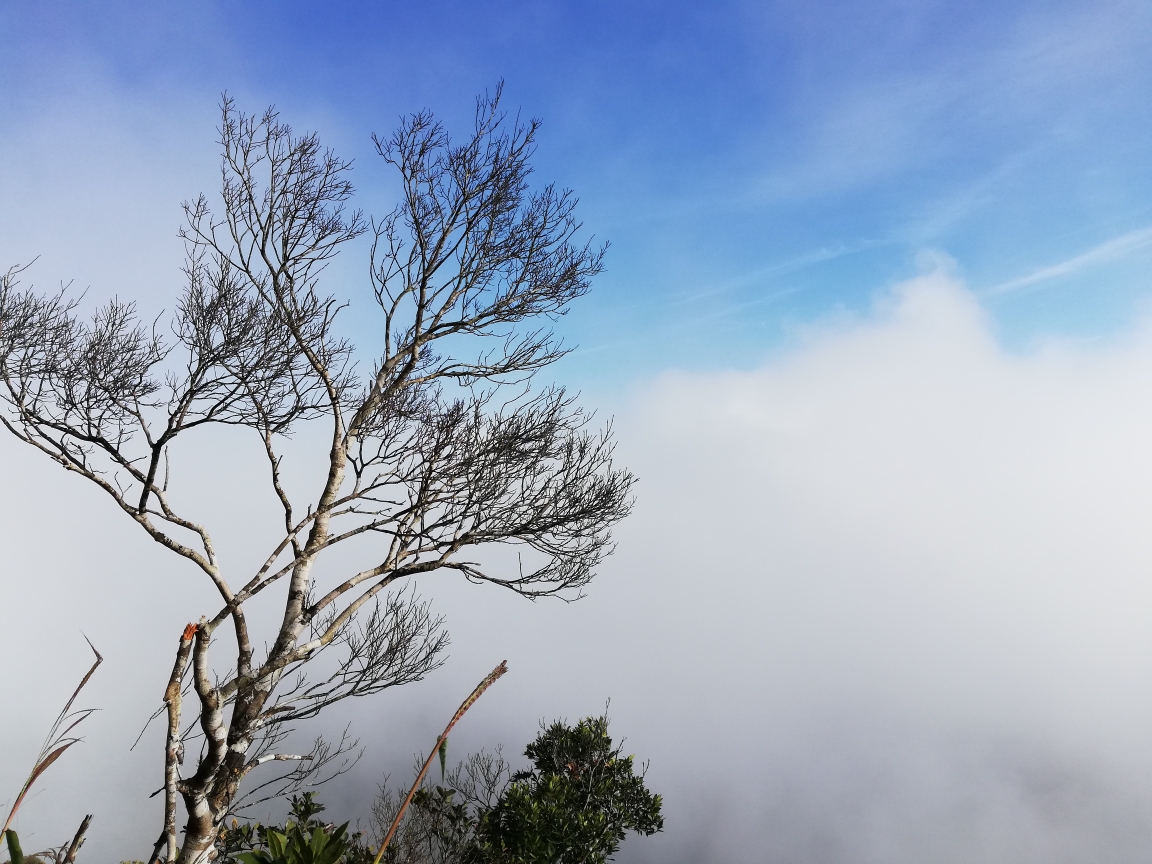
298 846
303 839
574 806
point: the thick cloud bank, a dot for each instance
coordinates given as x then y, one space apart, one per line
886 599
897 588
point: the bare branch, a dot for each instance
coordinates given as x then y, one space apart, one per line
441 447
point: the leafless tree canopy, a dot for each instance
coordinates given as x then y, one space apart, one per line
440 440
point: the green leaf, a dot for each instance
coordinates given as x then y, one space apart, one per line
277 845
14 851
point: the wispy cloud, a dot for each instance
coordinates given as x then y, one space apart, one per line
721 299
1108 251
753 277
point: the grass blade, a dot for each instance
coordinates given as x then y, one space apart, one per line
54 745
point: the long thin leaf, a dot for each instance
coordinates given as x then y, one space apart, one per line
57 741
48 760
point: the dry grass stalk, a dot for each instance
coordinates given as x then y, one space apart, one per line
488 681
58 739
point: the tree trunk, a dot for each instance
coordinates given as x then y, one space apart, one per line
199 845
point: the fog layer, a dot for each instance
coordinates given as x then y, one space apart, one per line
885 599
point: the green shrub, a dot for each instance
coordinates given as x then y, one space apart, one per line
574 805
303 839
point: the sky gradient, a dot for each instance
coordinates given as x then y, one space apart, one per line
875 332
754 164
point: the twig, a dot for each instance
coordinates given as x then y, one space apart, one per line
159 845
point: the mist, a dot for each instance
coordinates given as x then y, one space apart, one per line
883 598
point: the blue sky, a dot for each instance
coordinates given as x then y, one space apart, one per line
755 165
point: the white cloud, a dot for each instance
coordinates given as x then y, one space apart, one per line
897 583
884 599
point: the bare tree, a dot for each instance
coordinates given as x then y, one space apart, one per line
440 448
